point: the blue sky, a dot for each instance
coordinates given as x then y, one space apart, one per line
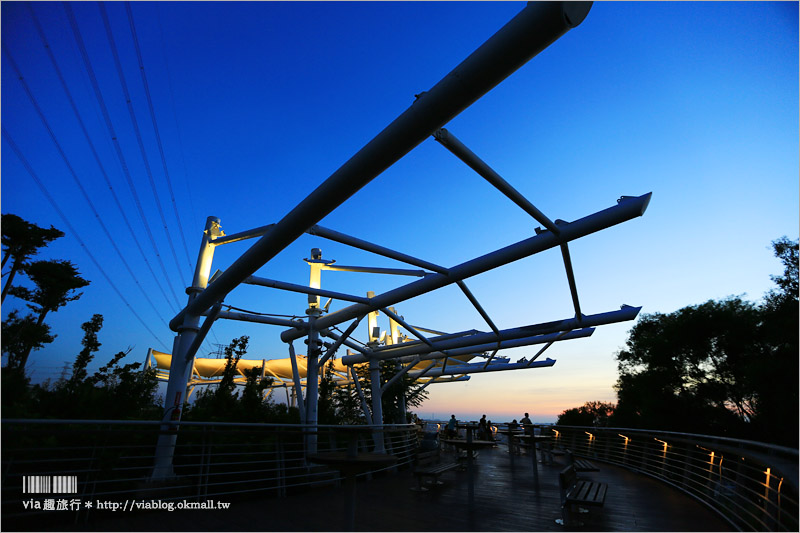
258 103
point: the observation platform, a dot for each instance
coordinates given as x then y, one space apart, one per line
506 498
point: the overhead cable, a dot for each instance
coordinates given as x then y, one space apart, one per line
72 230
137 132
126 172
97 158
155 129
72 172
194 217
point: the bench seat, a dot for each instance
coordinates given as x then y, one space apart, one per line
428 464
579 492
581 465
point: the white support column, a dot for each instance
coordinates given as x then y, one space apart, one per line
180 367
312 379
377 406
394 338
375 376
313 352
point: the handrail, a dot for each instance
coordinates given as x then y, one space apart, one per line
112 460
756 489
60 421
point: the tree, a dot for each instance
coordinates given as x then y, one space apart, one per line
233 353
90 346
113 392
222 403
56 281
774 378
326 406
589 414
689 370
347 401
21 240
723 367
787 291
20 336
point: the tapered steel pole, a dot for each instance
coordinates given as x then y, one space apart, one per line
531 31
180 366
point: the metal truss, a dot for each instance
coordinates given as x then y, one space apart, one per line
425 355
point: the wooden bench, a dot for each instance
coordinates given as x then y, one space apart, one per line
579 492
428 464
581 465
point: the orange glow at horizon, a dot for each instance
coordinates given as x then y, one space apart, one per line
509 395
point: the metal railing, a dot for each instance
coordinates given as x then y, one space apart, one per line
751 484
113 460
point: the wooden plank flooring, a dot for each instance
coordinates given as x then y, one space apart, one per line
505 499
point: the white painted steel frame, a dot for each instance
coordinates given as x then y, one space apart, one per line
532 30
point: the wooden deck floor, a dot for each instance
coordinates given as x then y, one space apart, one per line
505 499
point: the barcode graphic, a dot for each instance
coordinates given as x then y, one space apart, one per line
49 484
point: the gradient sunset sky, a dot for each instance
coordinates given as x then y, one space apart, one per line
257 103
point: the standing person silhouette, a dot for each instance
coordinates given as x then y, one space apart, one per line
451 427
527 425
482 428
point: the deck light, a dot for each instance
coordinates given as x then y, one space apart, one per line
664 443
591 437
627 439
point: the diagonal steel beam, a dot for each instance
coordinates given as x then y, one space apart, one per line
338 343
294 287
361 244
405 324
513 339
531 31
457 148
476 304
627 208
480 368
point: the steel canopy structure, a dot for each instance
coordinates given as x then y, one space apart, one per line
426 355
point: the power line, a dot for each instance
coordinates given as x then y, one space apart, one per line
72 171
137 131
155 128
99 164
126 172
72 230
175 119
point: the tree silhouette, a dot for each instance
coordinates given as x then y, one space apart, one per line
90 345
347 402
20 335
56 282
589 414
775 376
723 367
21 240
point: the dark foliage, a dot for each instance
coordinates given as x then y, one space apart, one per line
113 392
589 414
56 282
21 240
347 403
225 404
725 367
20 335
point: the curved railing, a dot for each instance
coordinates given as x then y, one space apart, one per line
751 484
112 460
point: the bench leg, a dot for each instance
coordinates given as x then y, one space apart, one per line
419 487
565 517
